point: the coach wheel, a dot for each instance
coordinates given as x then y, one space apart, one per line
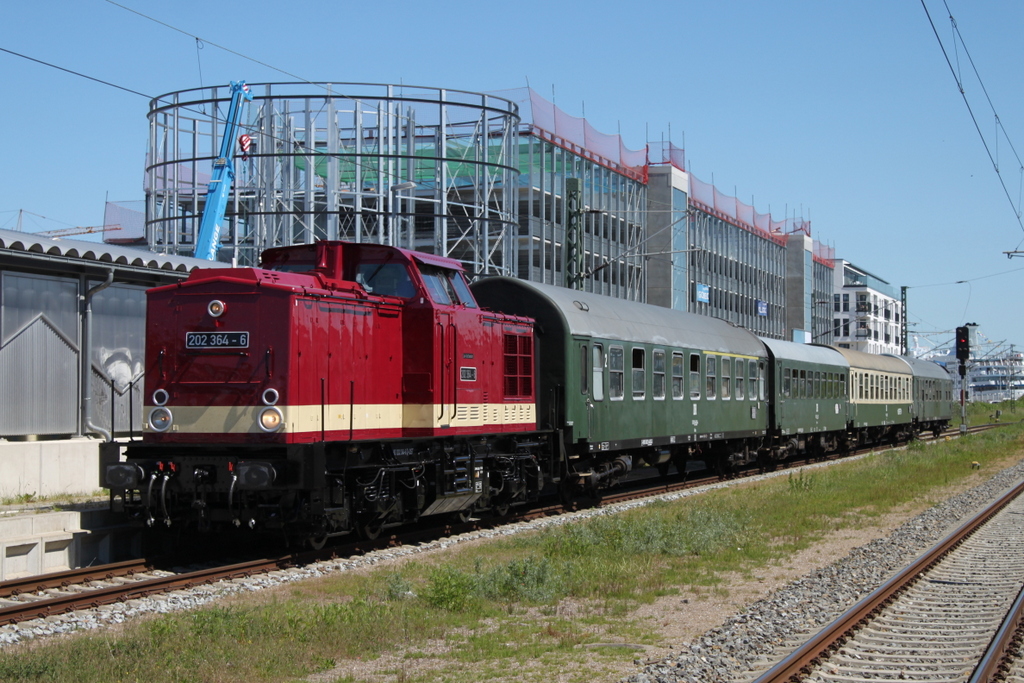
463 516
369 530
502 510
317 542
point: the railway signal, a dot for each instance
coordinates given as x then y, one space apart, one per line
963 344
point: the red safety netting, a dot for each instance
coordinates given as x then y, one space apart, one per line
575 134
710 199
666 153
824 254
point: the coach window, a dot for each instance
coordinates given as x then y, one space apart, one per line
726 378
584 370
616 371
817 385
842 386
677 376
598 353
658 370
738 365
802 389
639 374
712 378
762 383
752 381
695 376
787 382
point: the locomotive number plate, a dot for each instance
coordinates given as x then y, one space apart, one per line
216 340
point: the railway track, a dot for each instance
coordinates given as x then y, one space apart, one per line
42 596
936 620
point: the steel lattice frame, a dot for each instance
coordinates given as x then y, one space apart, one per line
421 168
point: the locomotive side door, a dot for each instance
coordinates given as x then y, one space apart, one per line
445 340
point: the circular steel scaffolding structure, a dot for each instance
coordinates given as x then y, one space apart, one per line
423 168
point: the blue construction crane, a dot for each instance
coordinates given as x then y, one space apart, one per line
208 239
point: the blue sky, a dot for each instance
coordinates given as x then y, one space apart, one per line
846 111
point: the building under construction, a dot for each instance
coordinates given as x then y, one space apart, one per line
505 182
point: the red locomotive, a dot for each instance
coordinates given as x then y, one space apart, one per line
339 387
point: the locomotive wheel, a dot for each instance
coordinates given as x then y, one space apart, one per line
317 542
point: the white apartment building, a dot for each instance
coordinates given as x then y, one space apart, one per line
867 314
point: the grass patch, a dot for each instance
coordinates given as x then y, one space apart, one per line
514 609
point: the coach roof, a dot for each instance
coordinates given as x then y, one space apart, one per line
602 317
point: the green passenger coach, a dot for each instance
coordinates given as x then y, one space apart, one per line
652 383
881 396
808 385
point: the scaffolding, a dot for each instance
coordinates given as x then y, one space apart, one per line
421 168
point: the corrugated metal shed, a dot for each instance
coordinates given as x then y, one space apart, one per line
42 281
27 245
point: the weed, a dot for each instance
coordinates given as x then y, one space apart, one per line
449 589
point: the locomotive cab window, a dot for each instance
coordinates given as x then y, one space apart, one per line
458 281
439 287
389 279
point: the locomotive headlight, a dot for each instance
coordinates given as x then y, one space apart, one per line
216 308
160 419
271 419
160 397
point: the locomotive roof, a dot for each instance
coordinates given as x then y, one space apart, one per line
808 353
925 368
872 361
604 317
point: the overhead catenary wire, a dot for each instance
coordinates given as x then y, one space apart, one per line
970 110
